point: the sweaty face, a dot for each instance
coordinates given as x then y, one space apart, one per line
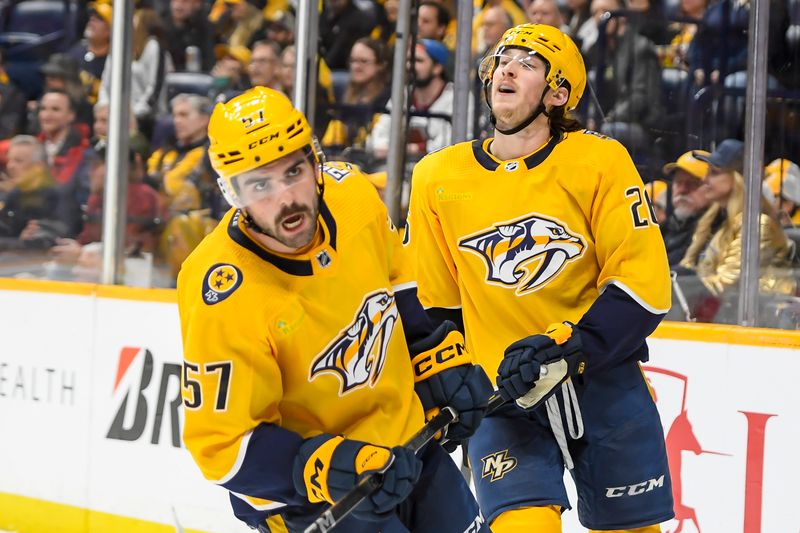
282 198
518 83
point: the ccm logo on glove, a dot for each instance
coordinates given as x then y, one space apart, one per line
451 352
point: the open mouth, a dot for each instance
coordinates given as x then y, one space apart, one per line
506 89
293 222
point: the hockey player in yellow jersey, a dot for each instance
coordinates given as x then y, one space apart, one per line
543 243
298 315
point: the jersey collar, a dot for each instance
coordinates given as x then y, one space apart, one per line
480 149
316 259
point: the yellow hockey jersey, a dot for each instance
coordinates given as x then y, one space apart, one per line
520 244
281 348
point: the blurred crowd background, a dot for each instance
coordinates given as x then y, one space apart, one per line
667 79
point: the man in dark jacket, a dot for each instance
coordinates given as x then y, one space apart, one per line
630 81
688 203
342 23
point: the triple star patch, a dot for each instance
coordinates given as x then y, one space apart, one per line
220 282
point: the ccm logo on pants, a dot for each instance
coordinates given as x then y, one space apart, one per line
635 490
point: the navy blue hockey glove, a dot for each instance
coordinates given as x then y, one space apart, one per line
533 367
326 468
445 376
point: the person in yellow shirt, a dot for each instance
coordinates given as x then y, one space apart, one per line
308 360
542 242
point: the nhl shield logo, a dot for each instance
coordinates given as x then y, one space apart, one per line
511 166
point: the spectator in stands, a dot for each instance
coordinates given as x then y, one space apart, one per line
288 61
235 21
675 53
92 51
137 142
177 170
719 47
65 143
365 95
432 21
188 27
689 203
387 22
61 73
230 71
341 24
495 22
143 213
716 254
511 7
782 180
582 25
631 84
432 94
12 104
657 192
649 19
31 192
279 29
150 63
546 12
264 66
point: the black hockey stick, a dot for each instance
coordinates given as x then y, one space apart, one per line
339 510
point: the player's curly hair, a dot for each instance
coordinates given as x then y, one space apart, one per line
562 122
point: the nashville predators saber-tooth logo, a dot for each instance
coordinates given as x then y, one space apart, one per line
542 244
357 355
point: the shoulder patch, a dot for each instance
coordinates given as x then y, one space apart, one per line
220 281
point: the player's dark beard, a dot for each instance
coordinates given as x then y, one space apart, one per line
302 239
421 83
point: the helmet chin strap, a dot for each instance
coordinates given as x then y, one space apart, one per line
540 109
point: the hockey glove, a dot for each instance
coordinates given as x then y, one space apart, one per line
445 376
533 367
327 468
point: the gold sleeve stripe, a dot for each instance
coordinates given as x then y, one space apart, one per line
440 307
258 503
239 459
627 290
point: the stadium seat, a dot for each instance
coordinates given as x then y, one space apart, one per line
188 82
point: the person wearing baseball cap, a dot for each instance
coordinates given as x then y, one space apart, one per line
91 52
688 202
715 253
432 94
782 180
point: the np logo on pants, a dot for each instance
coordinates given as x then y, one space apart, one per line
497 465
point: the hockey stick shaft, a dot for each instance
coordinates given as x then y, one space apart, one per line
339 510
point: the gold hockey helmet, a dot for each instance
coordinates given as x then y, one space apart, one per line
251 130
557 49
